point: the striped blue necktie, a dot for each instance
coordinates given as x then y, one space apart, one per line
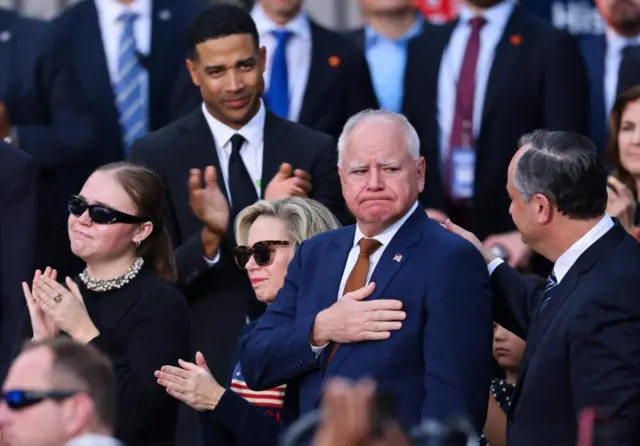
278 94
552 282
128 88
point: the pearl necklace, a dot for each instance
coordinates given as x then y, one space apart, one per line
111 284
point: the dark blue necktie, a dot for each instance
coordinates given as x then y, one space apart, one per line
552 282
278 94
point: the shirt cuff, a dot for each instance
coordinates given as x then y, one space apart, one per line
317 350
211 263
494 264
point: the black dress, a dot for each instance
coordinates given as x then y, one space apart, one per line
143 326
503 392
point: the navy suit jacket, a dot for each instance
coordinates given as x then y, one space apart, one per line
236 422
582 349
18 205
437 366
77 33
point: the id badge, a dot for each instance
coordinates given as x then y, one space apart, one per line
463 172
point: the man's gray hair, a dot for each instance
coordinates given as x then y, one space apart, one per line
411 136
566 169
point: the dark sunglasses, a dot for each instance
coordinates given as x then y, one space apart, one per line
100 214
20 399
262 252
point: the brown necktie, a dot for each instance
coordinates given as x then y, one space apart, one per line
358 276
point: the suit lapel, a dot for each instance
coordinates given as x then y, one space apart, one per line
91 60
508 51
394 257
321 75
274 150
199 146
560 294
162 24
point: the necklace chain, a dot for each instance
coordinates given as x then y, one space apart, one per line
112 284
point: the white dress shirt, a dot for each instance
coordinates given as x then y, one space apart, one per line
94 440
490 34
571 255
251 153
111 30
384 238
298 54
613 58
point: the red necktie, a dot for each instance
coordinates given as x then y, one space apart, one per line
463 113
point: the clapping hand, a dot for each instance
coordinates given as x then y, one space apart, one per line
208 203
284 184
621 204
42 325
191 383
65 306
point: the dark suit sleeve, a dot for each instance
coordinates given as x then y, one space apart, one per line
17 242
566 91
234 417
605 358
459 333
63 134
277 350
360 94
189 253
326 182
516 299
159 335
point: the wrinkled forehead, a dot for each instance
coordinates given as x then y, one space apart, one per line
30 370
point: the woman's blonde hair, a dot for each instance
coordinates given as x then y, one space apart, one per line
304 217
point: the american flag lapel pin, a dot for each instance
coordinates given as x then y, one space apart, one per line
397 257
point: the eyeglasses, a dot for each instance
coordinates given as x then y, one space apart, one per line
262 252
100 214
20 399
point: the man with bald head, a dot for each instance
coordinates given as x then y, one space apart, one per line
59 392
383 298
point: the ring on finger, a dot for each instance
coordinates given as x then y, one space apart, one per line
57 298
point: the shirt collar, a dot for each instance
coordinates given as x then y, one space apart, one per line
253 131
497 15
299 25
385 236
571 255
372 36
111 10
616 43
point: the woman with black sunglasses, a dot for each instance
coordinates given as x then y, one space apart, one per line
267 233
123 302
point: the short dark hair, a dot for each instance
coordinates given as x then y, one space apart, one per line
565 168
83 367
217 21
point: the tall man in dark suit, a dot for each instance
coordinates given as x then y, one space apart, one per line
612 66
247 145
477 85
384 38
18 219
314 76
382 298
42 112
582 327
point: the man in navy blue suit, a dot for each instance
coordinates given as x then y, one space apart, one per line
17 243
395 297
582 327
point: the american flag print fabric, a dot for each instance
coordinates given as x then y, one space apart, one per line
271 400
